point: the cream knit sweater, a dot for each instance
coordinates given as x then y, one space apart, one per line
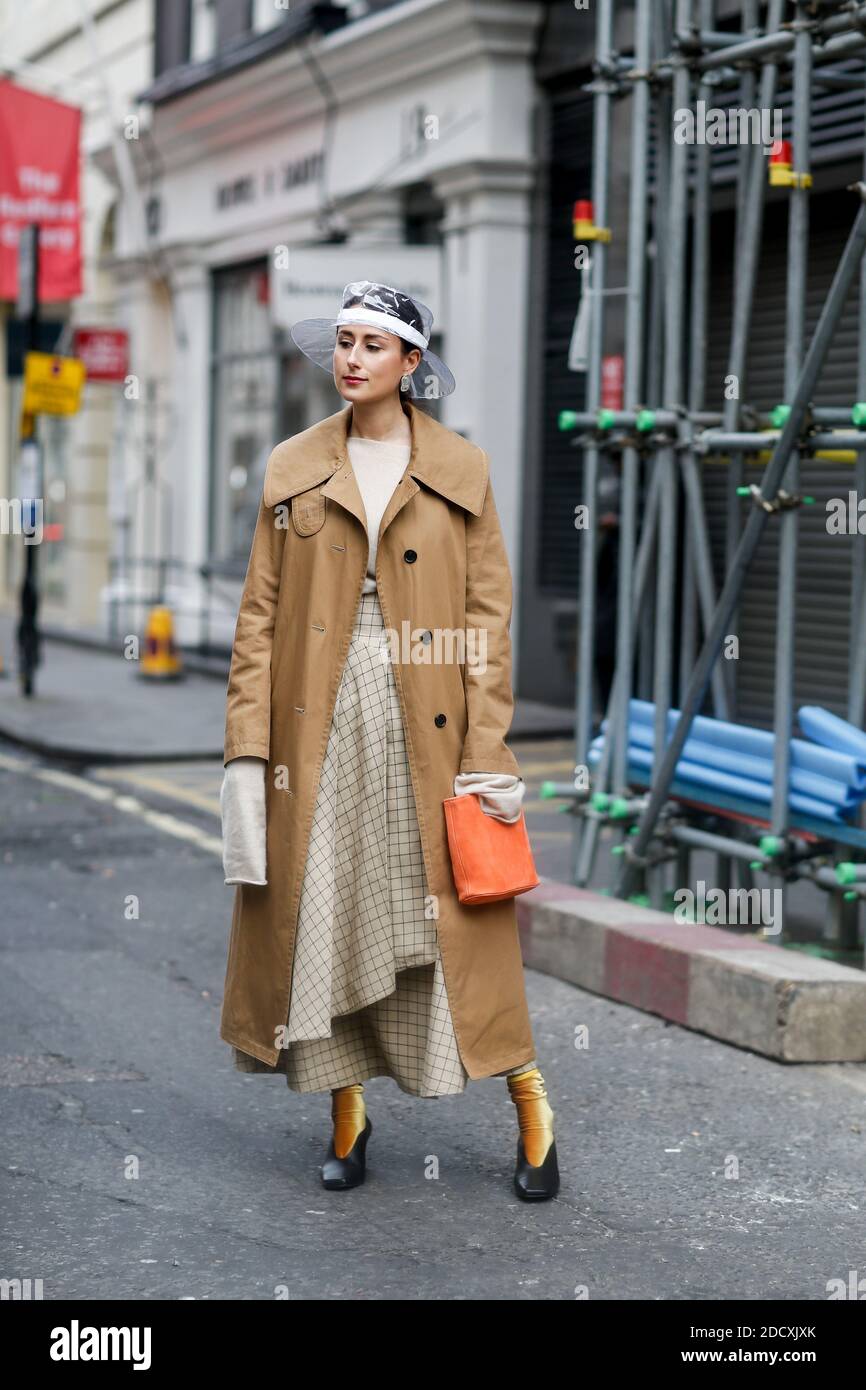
378 466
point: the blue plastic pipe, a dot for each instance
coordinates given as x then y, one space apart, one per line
755 769
839 765
748 790
831 731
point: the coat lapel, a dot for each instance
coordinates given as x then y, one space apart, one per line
342 486
439 459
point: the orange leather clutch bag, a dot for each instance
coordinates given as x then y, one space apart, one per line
491 859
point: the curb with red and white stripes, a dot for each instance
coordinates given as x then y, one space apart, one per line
741 989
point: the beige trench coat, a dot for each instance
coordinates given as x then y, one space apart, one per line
441 568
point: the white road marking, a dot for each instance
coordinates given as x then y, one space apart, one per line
170 824
174 791
130 805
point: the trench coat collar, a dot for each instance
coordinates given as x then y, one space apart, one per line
439 458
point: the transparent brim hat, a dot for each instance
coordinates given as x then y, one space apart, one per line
380 306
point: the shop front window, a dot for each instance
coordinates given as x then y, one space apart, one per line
245 413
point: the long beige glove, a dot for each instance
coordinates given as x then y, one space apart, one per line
244 818
501 794
244 821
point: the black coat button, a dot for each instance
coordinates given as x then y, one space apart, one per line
410 556
427 636
439 720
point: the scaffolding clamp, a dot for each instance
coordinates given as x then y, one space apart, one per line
781 173
685 428
782 502
604 85
606 74
655 854
605 806
649 422
687 44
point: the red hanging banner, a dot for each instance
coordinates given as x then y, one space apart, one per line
39 182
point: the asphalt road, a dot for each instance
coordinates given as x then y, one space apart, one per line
137 1164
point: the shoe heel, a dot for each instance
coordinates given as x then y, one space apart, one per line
536 1184
350 1171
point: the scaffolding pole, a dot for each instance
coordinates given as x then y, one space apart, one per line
605 86
664 431
786 599
635 850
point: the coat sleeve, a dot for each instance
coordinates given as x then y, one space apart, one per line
489 696
248 697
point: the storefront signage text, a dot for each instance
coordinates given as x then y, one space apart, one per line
249 187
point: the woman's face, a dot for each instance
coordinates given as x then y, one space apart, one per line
368 363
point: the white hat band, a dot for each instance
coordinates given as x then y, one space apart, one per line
376 319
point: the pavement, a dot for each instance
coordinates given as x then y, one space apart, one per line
92 706
136 1164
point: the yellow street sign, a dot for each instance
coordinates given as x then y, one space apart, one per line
52 385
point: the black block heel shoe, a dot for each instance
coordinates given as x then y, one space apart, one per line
536 1184
350 1171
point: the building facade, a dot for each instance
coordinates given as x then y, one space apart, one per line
280 164
272 154
97 67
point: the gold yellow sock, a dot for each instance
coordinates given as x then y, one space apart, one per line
534 1115
349 1115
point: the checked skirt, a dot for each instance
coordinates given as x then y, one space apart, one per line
368 993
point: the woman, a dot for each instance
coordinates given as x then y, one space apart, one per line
347 725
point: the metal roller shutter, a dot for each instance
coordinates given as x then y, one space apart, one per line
824 562
570 178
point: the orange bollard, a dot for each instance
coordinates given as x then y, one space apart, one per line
161 659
